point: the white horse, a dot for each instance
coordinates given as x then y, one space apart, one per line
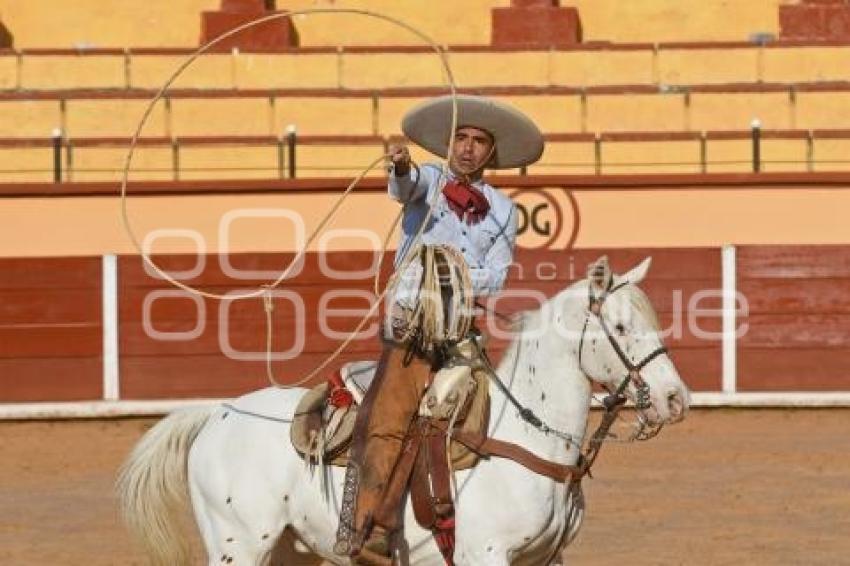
252 493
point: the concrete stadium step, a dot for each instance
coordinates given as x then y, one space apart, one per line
46 23
586 65
629 108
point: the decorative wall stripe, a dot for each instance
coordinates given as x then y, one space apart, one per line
730 346
111 379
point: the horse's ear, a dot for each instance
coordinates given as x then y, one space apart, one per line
599 273
638 272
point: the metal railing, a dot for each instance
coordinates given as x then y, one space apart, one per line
63 165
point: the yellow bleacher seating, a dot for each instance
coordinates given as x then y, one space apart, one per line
551 113
26 164
643 157
228 162
729 156
736 110
210 71
581 68
263 161
81 23
113 117
392 70
244 116
822 109
308 70
497 69
337 160
708 66
783 155
679 20
832 154
54 72
29 118
635 112
107 164
565 158
806 64
449 23
8 71
324 115
391 109
155 23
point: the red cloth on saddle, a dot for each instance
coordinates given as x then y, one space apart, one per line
466 200
338 394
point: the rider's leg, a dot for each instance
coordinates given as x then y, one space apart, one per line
383 421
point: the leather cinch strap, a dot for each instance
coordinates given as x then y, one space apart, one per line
487 447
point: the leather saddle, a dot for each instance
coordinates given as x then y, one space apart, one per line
324 419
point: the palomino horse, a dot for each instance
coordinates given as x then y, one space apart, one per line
251 491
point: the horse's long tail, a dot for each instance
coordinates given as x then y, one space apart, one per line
153 486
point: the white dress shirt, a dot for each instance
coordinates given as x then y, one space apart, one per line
487 246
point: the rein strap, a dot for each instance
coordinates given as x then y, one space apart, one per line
487 447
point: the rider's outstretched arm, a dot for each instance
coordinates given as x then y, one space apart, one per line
412 186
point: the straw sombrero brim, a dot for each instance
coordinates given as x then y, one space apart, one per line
518 140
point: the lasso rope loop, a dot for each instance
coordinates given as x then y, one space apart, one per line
268 305
265 290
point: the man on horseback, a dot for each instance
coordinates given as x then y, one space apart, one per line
466 221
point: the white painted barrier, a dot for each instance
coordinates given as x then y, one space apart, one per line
113 409
111 383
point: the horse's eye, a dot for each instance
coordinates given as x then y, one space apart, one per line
621 330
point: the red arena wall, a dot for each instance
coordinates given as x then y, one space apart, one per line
793 310
50 329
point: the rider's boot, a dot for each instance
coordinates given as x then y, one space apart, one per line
376 551
383 421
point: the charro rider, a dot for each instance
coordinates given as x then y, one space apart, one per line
477 221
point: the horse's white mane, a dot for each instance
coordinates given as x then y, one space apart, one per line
641 304
637 299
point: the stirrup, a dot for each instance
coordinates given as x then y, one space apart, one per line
376 550
378 544
342 548
368 558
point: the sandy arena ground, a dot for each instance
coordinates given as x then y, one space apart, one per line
725 487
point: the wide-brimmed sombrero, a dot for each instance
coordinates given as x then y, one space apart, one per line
518 141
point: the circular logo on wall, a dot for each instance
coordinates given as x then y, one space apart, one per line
541 220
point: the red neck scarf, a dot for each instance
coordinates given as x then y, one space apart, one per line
466 200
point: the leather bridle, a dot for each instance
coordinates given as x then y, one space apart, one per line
594 308
612 403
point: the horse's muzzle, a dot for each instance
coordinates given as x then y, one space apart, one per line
677 405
